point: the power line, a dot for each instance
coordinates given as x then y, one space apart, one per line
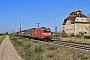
75 9
38 24
70 11
65 9
61 11
87 10
32 24
72 5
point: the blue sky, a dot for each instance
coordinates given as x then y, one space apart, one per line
43 11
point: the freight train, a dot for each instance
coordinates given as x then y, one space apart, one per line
42 33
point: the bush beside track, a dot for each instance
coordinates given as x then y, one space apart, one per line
37 50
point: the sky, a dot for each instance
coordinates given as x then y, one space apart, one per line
38 11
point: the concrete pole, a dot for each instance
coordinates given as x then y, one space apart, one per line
20 22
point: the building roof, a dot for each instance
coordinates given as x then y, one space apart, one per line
73 16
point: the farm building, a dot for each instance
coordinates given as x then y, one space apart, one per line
76 23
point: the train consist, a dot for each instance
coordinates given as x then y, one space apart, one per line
42 33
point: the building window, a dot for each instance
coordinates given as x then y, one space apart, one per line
85 32
84 28
79 32
86 20
80 29
77 19
82 19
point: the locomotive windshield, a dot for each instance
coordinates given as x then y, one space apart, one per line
33 28
47 30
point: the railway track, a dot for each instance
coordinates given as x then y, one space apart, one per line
80 46
75 45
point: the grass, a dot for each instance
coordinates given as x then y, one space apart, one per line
35 50
79 40
38 49
52 47
1 38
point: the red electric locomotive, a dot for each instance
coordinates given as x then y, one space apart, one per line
43 34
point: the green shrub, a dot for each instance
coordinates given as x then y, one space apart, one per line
86 37
13 38
53 36
38 49
72 35
21 38
52 47
6 33
63 34
29 45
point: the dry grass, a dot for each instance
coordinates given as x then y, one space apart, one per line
35 50
80 40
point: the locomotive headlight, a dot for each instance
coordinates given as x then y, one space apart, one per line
44 33
49 33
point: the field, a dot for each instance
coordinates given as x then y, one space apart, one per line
74 39
1 38
36 50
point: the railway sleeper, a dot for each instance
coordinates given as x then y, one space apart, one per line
76 46
56 42
83 47
71 45
87 48
61 43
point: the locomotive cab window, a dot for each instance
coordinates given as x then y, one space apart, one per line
47 31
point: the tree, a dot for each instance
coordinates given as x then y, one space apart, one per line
63 34
6 33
